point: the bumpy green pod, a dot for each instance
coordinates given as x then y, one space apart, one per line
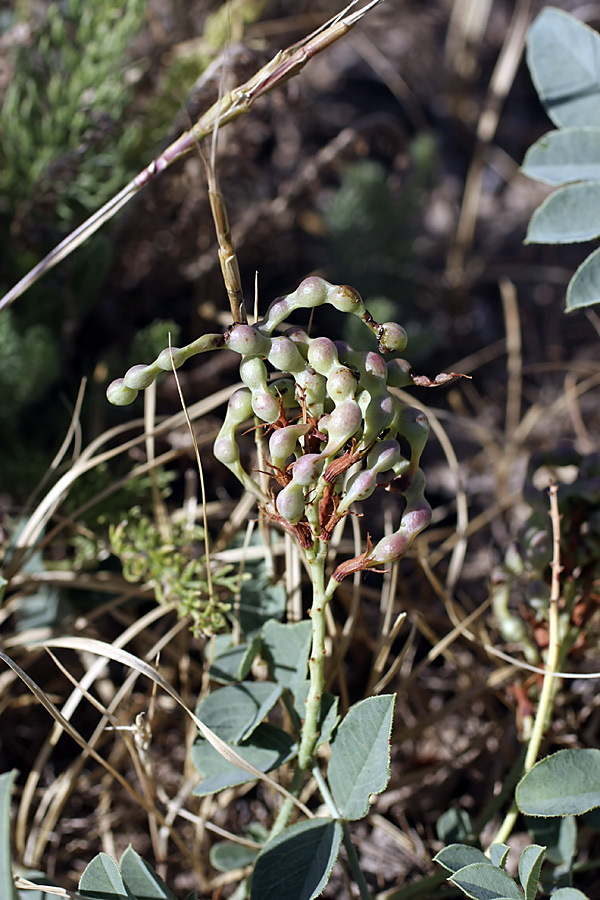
290 503
310 293
283 443
322 355
415 518
384 456
119 394
313 387
341 425
413 425
399 373
253 373
285 356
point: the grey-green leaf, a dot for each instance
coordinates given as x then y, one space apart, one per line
485 882
563 56
584 287
225 856
231 662
457 856
569 893
558 836
499 855
530 865
286 649
267 749
564 156
233 712
7 885
296 864
564 784
360 755
454 825
568 216
101 880
141 879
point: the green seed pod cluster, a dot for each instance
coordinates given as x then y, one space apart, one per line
336 431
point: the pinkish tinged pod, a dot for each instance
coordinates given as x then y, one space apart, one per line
246 340
169 358
307 469
342 424
346 299
322 355
290 503
285 356
283 443
399 373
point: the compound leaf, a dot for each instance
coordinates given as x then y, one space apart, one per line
297 863
360 755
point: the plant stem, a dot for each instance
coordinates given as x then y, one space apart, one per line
361 883
316 670
548 692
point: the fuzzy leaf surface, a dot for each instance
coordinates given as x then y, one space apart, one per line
297 863
101 880
564 784
267 749
564 156
141 879
234 711
499 854
360 755
584 287
569 893
457 856
486 882
568 216
563 56
530 865
286 649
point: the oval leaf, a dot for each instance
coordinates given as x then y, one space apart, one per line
226 856
360 755
584 287
561 157
141 879
296 864
7 885
530 865
101 880
559 836
563 56
564 784
569 893
568 216
483 882
457 856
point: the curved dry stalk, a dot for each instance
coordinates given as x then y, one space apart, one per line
234 103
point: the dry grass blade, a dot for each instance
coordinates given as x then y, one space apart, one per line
129 659
283 66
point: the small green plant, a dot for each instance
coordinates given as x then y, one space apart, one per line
562 54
